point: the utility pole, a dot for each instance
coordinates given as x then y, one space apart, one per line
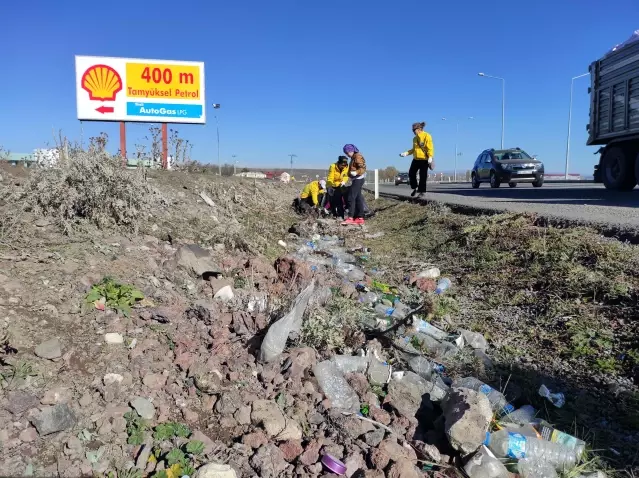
234 163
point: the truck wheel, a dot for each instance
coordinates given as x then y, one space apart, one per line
618 170
494 180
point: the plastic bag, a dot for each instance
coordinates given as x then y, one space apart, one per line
277 335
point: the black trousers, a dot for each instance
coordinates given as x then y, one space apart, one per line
337 202
356 199
421 166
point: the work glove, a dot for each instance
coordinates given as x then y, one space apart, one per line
403 155
430 160
353 173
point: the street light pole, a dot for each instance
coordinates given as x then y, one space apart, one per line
503 103
217 123
569 121
292 156
456 139
234 164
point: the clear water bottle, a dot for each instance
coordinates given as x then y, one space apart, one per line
521 416
497 400
424 367
505 444
483 464
535 468
425 327
550 433
335 386
442 286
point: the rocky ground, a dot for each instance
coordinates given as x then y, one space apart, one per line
133 308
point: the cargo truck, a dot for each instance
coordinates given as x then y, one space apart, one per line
614 115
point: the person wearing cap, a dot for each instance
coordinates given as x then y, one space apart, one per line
357 173
423 159
336 182
311 195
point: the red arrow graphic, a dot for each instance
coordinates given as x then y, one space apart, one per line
105 109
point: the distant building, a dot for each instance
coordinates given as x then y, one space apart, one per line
253 175
20 159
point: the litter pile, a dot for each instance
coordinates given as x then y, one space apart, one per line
399 384
177 368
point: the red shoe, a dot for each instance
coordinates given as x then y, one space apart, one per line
359 221
349 222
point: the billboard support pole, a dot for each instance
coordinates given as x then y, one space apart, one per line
165 147
123 142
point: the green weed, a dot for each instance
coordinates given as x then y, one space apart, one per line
120 297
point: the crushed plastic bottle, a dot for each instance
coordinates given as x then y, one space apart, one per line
418 343
505 444
356 274
442 286
335 387
400 310
368 298
429 273
550 433
535 468
424 367
384 310
521 416
497 400
474 340
425 327
350 363
484 464
557 399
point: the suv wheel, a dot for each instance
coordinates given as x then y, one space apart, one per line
618 169
475 180
494 180
512 185
539 183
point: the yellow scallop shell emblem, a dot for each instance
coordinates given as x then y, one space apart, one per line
101 82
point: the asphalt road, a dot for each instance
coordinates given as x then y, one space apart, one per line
578 202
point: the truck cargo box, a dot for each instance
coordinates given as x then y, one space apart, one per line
614 95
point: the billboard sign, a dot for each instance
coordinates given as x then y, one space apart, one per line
130 89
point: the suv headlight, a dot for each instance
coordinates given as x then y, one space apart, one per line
537 166
507 167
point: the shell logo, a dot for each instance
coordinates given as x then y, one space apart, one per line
101 82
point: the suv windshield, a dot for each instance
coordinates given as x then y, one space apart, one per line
506 155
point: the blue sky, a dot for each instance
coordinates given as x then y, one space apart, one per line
306 77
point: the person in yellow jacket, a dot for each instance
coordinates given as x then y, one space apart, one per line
423 159
312 195
336 184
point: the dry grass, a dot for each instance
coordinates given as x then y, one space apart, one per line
90 187
557 306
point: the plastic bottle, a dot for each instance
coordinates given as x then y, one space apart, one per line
427 328
427 344
521 416
351 363
497 400
557 399
429 273
335 387
368 298
384 310
505 444
442 286
535 468
483 464
550 433
400 310
424 367
356 274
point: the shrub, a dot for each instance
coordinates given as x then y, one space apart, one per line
90 187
